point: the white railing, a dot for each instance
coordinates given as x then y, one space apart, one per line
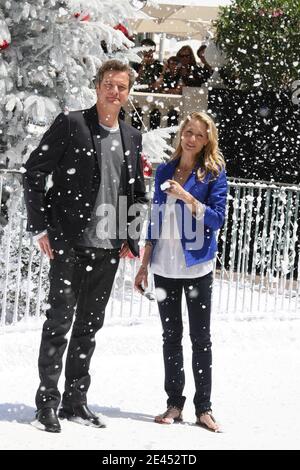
192 98
259 244
256 270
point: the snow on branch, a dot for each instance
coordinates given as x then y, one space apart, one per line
40 110
155 145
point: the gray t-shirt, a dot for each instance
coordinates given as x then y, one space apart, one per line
102 230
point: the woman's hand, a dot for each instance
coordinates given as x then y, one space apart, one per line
177 191
141 279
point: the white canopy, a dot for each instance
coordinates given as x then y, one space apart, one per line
189 19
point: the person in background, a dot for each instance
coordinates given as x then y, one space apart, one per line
188 208
201 55
191 73
149 69
94 159
168 81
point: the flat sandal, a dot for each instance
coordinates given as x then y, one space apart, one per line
204 425
172 414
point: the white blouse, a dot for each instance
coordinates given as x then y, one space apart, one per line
168 257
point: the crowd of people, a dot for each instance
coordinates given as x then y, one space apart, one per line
178 71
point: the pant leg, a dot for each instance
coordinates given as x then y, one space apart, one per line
64 278
100 267
198 296
171 319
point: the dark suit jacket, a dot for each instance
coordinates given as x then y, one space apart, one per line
68 151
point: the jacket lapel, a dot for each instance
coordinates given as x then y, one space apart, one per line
169 170
166 174
92 120
129 151
191 181
93 170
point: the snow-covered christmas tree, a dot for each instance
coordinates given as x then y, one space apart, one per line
50 51
49 54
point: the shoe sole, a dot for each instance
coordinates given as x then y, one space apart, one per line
175 420
207 428
83 422
41 427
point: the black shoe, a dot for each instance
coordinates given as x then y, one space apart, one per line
47 417
80 414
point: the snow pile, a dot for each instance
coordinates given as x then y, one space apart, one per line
255 389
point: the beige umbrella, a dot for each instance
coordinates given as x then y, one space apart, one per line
189 21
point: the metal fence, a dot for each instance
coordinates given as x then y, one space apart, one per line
256 269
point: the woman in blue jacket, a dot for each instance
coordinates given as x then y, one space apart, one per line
188 208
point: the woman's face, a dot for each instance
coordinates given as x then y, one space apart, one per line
194 137
185 57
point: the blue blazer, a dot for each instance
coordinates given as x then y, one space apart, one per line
211 192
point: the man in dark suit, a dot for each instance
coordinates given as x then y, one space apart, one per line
94 160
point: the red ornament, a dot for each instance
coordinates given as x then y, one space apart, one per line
82 16
147 166
4 45
124 30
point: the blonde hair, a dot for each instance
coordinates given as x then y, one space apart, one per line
213 161
185 49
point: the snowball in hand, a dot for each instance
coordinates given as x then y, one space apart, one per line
165 185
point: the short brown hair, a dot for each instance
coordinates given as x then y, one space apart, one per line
115 66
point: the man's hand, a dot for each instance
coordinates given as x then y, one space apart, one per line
141 279
165 68
45 246
125 250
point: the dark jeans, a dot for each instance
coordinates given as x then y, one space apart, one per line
198 298
80 279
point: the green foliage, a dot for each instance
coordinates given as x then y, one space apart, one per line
261 41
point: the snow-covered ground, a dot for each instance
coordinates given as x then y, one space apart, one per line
256 385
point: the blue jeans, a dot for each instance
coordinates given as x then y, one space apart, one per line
198 297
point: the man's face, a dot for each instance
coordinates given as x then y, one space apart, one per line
113 90
173 66
148 56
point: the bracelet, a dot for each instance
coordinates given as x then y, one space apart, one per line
200 209
148 243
